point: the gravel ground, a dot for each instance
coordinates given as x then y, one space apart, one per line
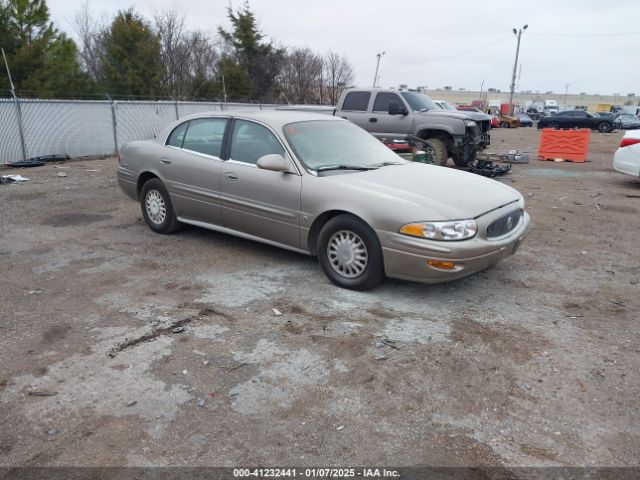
535 362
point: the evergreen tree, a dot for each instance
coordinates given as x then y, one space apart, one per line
43 62
260 60
131 62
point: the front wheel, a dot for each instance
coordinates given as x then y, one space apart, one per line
438 151
604 127
554 125
157 209
349 253
505 125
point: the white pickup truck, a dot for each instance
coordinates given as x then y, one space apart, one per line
393 114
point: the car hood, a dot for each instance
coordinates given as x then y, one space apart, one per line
447 113
478 117
428 192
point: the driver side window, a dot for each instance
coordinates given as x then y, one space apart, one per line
250 141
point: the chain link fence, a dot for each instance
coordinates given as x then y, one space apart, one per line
79 128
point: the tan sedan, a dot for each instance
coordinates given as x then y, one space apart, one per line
319 185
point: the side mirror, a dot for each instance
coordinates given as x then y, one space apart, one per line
395 109
274 162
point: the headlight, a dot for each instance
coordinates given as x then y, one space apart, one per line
453 230
469 123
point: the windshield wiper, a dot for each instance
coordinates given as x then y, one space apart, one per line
344 167
385 164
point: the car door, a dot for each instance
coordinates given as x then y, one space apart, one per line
384 125
192 168
258 202
564 119
582 119
355 107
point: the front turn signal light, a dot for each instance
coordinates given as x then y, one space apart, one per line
442 264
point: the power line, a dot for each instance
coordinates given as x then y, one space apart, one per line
466 52
620 34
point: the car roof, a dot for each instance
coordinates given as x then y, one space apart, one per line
274 118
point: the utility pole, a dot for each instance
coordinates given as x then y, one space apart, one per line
517 33
375 77
481 99
566 90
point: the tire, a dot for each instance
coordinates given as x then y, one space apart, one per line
554 125
604 127
349 253
438 151
157 209
461 161
505 125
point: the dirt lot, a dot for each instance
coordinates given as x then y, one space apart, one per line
534 362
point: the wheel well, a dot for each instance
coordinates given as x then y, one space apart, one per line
319 222
142 179
439 134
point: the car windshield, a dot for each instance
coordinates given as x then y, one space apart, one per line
322 144
418 101
525 117
448 106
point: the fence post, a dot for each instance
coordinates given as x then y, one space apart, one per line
18 109
113 122
20 127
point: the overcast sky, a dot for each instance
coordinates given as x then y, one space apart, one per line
585 43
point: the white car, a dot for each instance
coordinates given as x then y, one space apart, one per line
627 157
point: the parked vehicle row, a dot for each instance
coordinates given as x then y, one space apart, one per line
576 119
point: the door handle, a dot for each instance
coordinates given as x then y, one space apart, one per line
165 160
373 119
231 176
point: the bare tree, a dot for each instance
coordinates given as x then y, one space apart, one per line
301 77
189 57
90 32
337 75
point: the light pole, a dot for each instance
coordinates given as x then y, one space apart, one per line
566 90
375 77
481 99
517 33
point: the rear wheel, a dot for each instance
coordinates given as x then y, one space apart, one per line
437 149
604 127
554 125
156 207
505 125
350 254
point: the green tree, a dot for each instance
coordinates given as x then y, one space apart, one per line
131 60
260 60
43 61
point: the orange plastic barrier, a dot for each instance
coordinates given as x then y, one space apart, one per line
570 145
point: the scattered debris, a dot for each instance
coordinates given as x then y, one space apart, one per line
7 179
201 402
37 291
276 312
41 393
632 196
212 394
340 427
62 174
53 431
184 372
179 329
235 367
598 206
132 403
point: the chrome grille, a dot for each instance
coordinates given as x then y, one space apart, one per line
505 224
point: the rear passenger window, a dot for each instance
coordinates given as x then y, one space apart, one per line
384 99
177 136
205 136
356 102
250 141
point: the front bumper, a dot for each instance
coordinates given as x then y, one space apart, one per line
406 257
